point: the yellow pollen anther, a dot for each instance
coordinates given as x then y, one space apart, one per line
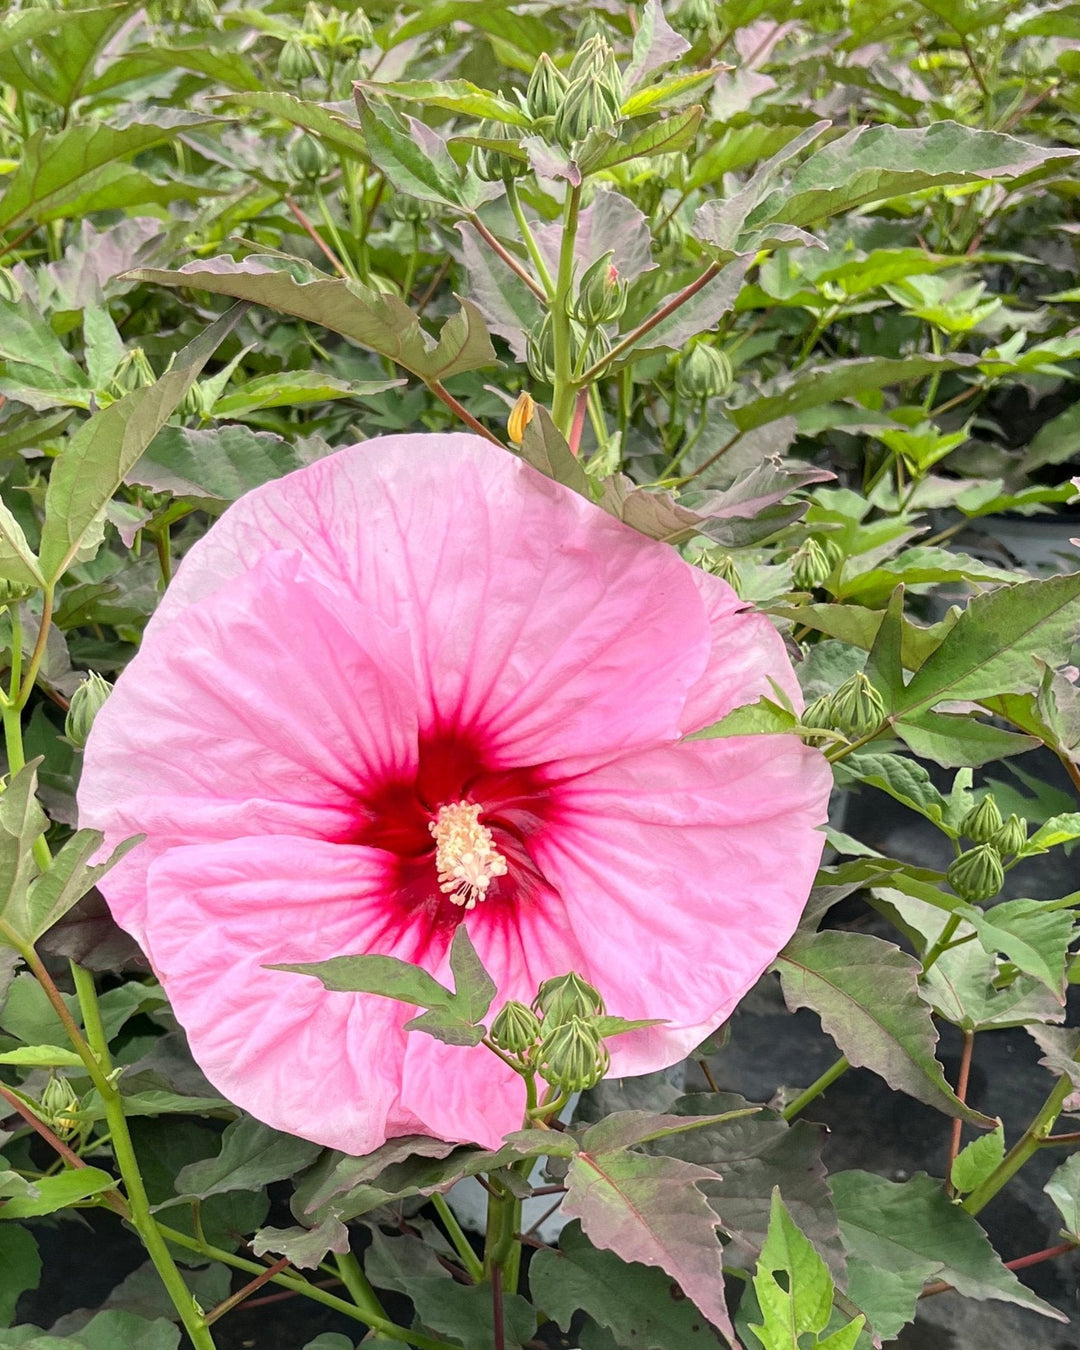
466 859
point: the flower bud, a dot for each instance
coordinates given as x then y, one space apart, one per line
516 1028
595 57
572 1057
86 703
587 106
307 158
720 564
197 402
857 707
591 26
567 996
133 372
412 210
809 565
977 874
693 15
547 87
58 1106
521 414
819 714
983 821
492 166
540 348
833 552
1012 836
703 372
314 19
357 29
202 13
295 62
602 293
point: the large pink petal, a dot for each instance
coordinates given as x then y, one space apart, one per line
326 1066
685 870
747 659
262 712
526 605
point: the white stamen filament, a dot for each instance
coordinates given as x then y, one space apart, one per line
466 858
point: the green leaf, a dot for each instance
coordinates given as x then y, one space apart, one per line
387 976
974 1163
656 44
455 95
667 135
383 323
252 1156
97 458
898 1235
650 1209
839 380
222 462
42 1057
546 449
69 878
1061 1050
415 159
903 779
21 1264
293 389
54 170
803 1303
884 664
1060 829
21 822
58 1192
107 1330
635 1302
305 1247
17 561
346 136
473 986
866 993
871 164
956 740
1033 936
1064 1189
992 646
753 719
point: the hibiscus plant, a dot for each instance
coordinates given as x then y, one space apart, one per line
613 733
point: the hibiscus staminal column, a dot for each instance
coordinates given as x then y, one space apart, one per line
466 858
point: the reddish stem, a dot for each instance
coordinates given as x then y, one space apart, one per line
451 402
507 257
578 424
497 1328
227 1305
961 1092
316 237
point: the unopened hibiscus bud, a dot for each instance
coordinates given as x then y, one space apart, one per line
516 1029
307 158
693 15
982 822
295 62
11 592
857 707
9 287
492 165
602 294
134 372
412 210
722 565
977 874
197 402
58 1106
809 565
587 106
202 13
596 57
547 87
818 715
565 997
357 29
540 350
1012 836
314 19
833 552
572 1056
521 414
86 702
703 372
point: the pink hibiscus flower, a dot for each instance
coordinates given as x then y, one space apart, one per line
417 684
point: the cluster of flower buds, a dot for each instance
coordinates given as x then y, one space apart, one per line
601 295
977 874
337 31
855 710
587 346
133 372
718 563
703 372
593 97
86 702
558 1036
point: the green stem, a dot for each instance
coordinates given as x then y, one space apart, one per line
38 654
462 1245
298 1285
360 1290
816 1088
529 239
952 923
126 1161
562 407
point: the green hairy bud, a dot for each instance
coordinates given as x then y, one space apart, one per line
412 210
11 592
977 874
572 1057
819 715
202 13
983 821
703 372
587 106
1012 836
516 1029
595 57
357 29
720 564
540 348
809 565
307 158
547 87
601 296
694 15
86 703
833 552
857 707
492 165
57 1108
566 997
295 63
9 287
